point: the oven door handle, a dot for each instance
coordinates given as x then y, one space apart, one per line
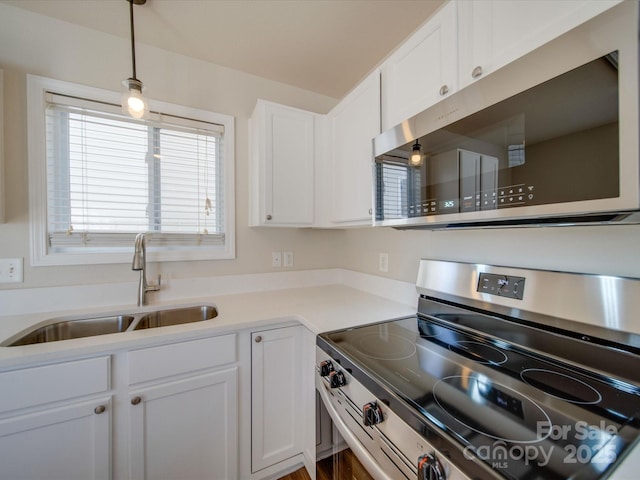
367 460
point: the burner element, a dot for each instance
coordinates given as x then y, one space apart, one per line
476 403
479 352
562 386
385 346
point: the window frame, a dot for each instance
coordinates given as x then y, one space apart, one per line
37 89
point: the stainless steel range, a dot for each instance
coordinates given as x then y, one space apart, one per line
502 373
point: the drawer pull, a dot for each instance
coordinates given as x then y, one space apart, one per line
136 400
99 409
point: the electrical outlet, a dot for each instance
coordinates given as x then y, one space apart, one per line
11 270
288 259
383 262
276 259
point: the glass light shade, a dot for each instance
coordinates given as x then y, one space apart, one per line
415 160
133 102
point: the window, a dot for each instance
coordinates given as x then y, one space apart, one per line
99 177
398 190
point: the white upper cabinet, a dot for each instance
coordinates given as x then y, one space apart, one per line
281 166
492 33
311 170
466 40
354 123
422 70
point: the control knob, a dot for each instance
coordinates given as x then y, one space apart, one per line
430 468
371 414
326 367
337 379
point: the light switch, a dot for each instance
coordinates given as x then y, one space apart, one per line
288 259
383 262
11 270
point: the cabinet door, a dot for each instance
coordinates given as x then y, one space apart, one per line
423 70
66 443
492 33
276 396
186 429
2 200
282 165
354 123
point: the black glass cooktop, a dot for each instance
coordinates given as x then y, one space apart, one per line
525 413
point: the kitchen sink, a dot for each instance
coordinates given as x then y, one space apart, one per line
178 316
76 328
79 327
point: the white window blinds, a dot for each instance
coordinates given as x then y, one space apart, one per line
110 177
398 191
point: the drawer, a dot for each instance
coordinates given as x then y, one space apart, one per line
152 363
34 386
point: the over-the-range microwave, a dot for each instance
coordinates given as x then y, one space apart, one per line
551 138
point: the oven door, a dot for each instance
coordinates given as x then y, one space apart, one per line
334 458
345 450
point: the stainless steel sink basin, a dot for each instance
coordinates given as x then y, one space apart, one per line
177 316
77 328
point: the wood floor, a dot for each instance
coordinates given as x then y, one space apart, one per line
343 465
297 475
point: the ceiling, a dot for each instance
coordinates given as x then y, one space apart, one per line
325 46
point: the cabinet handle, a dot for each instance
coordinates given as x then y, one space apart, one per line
370 211
444 90
269 217
99 409
258 339
476 72
136 400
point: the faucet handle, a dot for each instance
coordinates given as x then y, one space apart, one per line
154 287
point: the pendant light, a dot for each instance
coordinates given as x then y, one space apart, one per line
133 101
415 160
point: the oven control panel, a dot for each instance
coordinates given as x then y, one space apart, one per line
501 285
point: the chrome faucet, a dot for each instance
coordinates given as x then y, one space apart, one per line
140 264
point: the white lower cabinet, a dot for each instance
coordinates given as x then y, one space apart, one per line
277 428
182 402
55 421
186 429
168 411
69 442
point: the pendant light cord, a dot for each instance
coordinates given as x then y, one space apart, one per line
133 47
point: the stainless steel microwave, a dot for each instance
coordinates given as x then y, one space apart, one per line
551 138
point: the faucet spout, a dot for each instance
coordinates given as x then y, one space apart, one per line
139 251
139 263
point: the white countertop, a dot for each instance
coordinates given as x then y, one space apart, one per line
320 309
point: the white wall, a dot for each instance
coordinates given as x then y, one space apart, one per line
606 250
31 43
34 44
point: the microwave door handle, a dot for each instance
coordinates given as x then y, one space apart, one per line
367 460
